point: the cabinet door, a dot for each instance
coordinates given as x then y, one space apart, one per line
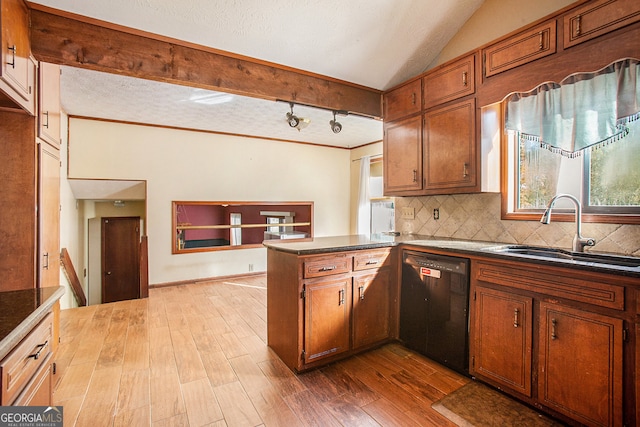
49 105
371 307
450 82
580 366
502 338
402 156
49 216
449 147
520 49
326 318
403 101
18 69
597 18
39 391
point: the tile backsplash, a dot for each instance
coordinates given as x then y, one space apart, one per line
477 217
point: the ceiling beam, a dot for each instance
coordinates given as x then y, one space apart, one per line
68 39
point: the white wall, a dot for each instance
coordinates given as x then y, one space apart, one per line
189 165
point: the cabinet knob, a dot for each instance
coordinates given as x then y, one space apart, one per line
46 114
464 78
516 318
578 25
465 171
415 175
341 297
553 329
361 291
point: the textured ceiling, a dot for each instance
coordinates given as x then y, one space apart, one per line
375 43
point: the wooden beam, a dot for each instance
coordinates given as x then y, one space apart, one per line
68 39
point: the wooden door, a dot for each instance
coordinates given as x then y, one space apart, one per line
402 156
502 338
449 147
580 366
120 258
371 307
49 216
327 313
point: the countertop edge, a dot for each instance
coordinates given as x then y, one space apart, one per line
17 334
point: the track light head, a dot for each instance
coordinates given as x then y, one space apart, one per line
295 121
336 127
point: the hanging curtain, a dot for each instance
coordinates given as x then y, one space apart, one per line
363 223
585 110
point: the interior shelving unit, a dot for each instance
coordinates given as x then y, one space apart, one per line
200 226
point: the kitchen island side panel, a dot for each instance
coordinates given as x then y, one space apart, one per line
283 302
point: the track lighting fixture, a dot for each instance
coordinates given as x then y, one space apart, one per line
335 126
295 121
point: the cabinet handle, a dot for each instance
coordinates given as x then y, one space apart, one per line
372 262
361 291
578 25
516 316
329 268
40 347
415 175
465 171
46 125
13 60
413 98
341 296
553 329
464 78
45 259
541 40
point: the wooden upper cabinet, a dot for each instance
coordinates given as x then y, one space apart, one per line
449 82
520 49
49 103
597 18
403 101
449 148
580 364
17 73
402 156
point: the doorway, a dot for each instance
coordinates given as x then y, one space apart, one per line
120 258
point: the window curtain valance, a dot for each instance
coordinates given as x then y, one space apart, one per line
585 110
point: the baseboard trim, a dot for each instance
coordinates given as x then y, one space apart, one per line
207 279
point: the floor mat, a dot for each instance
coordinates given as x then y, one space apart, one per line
475 404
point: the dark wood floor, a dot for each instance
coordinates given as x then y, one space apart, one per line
196 355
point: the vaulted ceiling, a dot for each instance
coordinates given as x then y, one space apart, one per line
373 43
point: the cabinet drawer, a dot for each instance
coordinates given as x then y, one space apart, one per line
597 18
403 101
325 266
371 259
450 82
520 49
21 364
39 391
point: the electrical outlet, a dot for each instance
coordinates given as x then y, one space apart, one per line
250 267
408 213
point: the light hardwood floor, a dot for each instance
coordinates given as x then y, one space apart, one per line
196 355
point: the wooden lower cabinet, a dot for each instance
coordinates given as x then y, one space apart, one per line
327 309
318 313
371 307
503 334
556 339
580 366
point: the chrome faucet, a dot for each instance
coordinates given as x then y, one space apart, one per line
579 242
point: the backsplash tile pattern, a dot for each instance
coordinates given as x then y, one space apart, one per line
477 217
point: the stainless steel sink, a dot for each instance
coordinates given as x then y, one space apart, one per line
585 258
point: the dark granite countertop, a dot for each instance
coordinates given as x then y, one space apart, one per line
321 245
21 310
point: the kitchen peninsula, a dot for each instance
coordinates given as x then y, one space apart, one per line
332 297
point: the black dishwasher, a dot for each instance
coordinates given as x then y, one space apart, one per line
434 306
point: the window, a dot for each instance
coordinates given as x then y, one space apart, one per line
581 137
606 180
